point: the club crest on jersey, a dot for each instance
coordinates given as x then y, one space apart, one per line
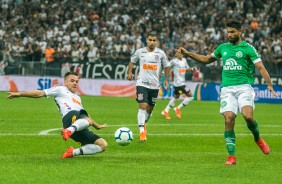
239 54
157 57
140 96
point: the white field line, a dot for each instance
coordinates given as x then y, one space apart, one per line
46 132
149 134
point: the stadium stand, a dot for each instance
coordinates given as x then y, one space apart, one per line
111 30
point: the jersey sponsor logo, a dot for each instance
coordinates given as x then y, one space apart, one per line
182 70
231 64
239 54
76 101
150 67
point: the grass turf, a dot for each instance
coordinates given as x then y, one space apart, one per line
190 150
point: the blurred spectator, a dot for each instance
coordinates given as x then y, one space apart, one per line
37 54
197 76
65 69
93 54
3 65
49 55
119 27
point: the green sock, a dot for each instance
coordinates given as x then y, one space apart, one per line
230 140
253 127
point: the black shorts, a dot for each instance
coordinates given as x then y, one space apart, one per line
146 95
82 137
179 90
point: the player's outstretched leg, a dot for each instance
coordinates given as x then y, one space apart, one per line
68 153
253 127
88 149
78 125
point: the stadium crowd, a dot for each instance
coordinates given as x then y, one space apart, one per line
59 32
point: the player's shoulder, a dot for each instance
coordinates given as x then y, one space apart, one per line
158 50
225 44
141 50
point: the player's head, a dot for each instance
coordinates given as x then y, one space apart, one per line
71 81
152 40
234 31
178 53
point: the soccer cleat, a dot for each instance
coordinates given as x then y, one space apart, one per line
68 153
263 146
231 160
66 134
165 114
143 136
177 112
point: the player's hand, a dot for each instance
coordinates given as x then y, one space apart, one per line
270 88
13 95
98 127
129 76
182 50
166 84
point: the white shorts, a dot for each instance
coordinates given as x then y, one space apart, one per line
233 98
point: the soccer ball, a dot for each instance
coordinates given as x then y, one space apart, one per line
123 136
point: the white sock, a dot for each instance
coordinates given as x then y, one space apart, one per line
78 125
141 116
88 149
185 102
171 103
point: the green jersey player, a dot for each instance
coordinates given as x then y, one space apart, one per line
239 60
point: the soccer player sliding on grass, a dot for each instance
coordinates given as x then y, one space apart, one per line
239 60
75 119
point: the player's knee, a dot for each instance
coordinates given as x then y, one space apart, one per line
102 143
248 117
229 118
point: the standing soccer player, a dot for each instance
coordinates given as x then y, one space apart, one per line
239 61
75 119
151 59
179 67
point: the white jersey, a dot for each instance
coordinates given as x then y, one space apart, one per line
65 99
179 68
150 66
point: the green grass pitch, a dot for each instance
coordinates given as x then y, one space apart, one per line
190 150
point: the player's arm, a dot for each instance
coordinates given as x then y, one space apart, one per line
166 71
130 68
191 69
95 124
259 65
197 57
29 94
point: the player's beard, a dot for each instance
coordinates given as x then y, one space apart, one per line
233 40
152 46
